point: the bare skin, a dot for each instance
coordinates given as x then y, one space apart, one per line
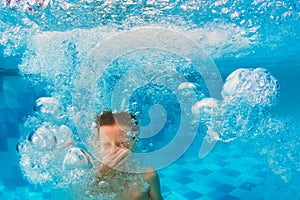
116 155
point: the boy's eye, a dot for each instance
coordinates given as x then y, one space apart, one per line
118 144
121 144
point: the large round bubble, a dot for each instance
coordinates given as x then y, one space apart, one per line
207 108
251 86
77 158
233 83
44 137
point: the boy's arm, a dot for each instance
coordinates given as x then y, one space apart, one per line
152 178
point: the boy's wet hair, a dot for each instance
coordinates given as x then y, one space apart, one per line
123 118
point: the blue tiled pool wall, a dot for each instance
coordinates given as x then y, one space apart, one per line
17 97
228 172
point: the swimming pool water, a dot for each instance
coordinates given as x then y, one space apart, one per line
229 172
234 34
225 174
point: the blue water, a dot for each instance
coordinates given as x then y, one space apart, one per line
92 55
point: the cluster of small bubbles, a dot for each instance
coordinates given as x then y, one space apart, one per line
186 89
210 112
49 109
58 63
94 12
14 38
43 138
246 93
243 115
55 65
22 19
281 146
206 109
48 155
33 168
231 26
236 122
215 37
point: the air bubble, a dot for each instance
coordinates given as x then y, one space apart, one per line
251 86
76 158
207 108
64 136
246 93
49 108
44 138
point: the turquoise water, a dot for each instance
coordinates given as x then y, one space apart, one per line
91 55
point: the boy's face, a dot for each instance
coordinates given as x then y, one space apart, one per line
113 135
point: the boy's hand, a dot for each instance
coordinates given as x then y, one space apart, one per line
114 158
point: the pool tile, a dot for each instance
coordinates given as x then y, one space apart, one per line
10 184
193 195
215 183
3 130
227 179
168 173
8 195
244 194
184 180
164 188
201 188
1 114
186 172
7 173
206 198
12 130
205 172
231 172
173 196
229 197
172 185
22 189
261 173
226 188
248 186
48 196
3 144
12 144
212 166
11 115
183 190
197 161
35 195
35 188
216 194
1 83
